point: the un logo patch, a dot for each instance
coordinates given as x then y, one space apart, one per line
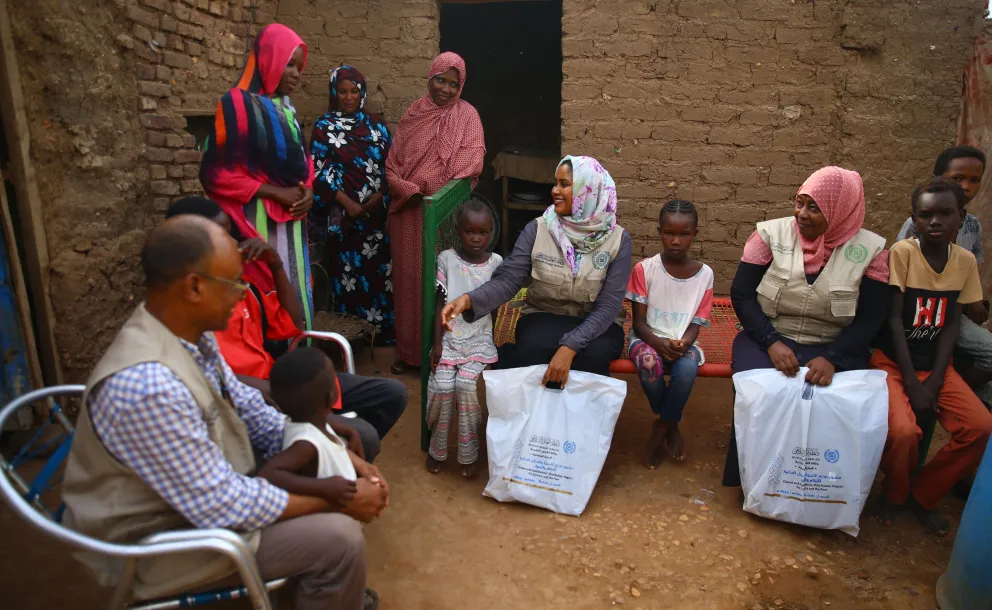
856 253
601 260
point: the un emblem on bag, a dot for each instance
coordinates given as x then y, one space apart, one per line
831 455
568 447
856 253
601 260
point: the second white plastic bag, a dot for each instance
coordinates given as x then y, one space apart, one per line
547 447
808 454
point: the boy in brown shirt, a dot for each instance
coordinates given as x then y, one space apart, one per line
931 280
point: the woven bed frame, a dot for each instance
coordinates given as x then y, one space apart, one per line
716 340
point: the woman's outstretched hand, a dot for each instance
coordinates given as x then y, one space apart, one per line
453 309
560 365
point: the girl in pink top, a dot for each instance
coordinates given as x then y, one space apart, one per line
672 295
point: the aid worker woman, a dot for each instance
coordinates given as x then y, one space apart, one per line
811 290
578 260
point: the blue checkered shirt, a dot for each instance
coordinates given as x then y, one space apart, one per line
147 419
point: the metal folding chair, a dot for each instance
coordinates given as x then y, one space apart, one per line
28 500
349 355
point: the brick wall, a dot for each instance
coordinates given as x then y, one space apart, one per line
188 53
392 42
732 104
728 103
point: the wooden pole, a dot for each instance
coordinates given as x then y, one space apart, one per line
15 123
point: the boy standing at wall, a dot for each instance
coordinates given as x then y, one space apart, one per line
931 281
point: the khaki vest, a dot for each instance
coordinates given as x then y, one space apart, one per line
812 314
106 500
553 289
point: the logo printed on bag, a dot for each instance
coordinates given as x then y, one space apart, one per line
831 455
569 447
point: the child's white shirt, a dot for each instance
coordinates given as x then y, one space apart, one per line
332 453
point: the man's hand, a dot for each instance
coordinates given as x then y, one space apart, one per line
560 365
923 403
367 471
821 371
338 492
933 385
368 503
783 359
257 249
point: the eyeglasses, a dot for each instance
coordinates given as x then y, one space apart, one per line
239 285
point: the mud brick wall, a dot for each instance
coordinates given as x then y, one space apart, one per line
392 42
108 85
732 103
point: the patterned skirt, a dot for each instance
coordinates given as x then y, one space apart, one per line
360 272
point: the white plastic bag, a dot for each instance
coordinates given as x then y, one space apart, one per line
547 447
808 454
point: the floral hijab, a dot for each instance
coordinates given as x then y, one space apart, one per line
594 212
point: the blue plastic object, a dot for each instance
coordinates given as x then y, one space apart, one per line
967 583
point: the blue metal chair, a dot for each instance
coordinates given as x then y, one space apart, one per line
27 498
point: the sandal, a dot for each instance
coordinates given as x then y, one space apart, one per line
399 367
371 600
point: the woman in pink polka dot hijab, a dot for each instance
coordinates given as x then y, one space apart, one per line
811 289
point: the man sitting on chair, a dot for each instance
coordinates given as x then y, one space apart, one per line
261 318
165 440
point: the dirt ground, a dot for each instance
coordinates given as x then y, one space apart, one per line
641 543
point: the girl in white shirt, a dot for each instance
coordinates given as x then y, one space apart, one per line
672 295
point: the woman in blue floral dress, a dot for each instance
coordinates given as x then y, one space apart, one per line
350 201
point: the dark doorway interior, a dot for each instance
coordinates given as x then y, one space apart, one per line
512 53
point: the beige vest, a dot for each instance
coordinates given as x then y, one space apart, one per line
106 500
553 289
812 314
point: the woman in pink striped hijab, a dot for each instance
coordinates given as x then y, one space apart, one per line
811 289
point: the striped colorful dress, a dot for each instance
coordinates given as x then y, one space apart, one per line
257 140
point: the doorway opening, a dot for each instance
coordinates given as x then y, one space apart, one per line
513 57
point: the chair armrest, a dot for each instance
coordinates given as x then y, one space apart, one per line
216 540
349 355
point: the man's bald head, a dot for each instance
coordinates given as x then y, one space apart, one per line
179 246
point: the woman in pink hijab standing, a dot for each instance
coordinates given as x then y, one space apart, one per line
439 139
811 289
